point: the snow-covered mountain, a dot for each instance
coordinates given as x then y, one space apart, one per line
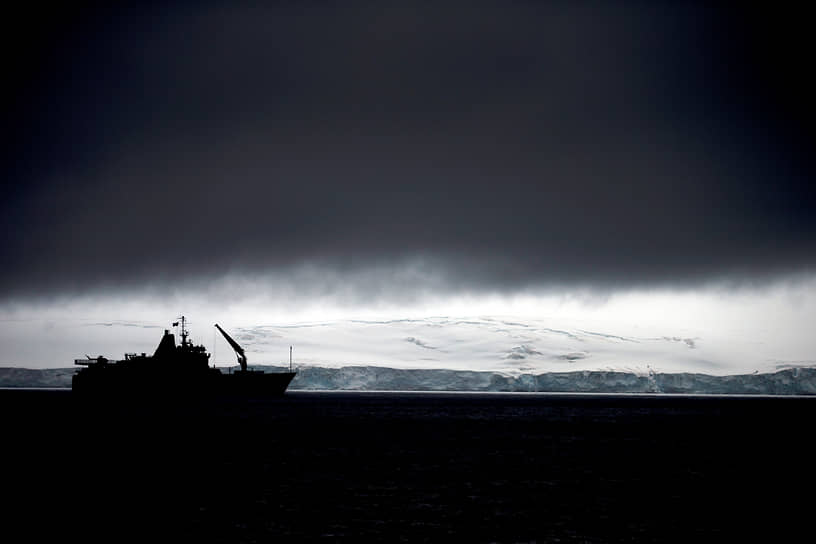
517 346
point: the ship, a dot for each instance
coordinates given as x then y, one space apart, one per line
177 369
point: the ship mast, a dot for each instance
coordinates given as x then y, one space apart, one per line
183 331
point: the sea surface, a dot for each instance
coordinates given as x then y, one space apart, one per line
408 467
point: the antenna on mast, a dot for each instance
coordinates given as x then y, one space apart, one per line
290 358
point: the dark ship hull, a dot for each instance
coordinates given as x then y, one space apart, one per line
254 383
175 371
250 383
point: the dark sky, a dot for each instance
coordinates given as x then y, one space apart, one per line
513 144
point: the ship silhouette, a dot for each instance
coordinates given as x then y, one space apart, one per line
178 369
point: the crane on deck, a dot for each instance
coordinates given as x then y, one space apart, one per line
239 351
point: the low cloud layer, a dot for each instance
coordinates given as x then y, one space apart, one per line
503 146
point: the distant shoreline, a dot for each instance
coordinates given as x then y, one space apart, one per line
788 382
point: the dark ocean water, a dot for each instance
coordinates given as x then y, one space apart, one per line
409 467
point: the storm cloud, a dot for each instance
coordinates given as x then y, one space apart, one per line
505 145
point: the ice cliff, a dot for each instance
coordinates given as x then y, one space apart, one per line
795 381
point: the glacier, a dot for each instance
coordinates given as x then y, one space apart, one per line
462 353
